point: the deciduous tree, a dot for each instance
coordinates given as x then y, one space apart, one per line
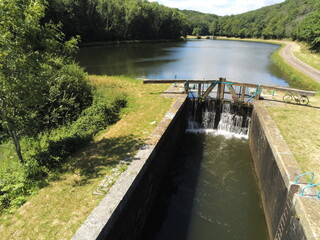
32 63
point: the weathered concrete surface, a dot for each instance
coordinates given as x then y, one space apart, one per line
124 210
287 214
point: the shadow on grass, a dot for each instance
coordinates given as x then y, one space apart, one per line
291 103
107 153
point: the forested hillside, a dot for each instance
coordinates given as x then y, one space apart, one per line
198 23
296 19
109 20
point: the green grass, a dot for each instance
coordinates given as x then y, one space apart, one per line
307 55
9 160
59 209
299 126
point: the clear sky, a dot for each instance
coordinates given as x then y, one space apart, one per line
219 7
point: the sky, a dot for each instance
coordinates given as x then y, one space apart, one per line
218 7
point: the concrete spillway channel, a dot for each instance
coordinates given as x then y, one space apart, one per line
125 210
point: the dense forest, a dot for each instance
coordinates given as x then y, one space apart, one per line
109 20
296 19
198 23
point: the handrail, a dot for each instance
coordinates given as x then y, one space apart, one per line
302 191
258 91
269 87
318 196
310 183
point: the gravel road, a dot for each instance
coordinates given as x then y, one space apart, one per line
287 54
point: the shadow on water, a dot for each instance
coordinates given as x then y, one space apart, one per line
212 193
173 217
131 60
209 59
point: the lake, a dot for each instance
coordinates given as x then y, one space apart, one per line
197 59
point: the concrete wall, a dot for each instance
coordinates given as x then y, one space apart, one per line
287 214
124 210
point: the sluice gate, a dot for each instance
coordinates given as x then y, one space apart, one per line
221 89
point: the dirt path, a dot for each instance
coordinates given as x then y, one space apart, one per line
287 55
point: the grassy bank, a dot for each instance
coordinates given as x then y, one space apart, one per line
297 79
58 209
299 127
307 55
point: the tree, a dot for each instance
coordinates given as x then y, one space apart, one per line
197 32
309 29
32 56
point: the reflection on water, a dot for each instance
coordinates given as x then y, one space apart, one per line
210 59
212 193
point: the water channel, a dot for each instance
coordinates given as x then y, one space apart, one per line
212 192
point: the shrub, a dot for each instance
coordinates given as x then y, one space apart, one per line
99 116
55 146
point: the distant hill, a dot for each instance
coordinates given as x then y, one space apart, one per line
296 19
198 21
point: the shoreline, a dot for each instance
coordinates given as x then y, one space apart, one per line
110 43
300 73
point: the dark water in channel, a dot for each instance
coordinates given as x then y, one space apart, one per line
209 59
212 193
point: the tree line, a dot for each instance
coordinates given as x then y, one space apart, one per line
296 19
114 20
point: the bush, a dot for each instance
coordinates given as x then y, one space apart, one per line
57 151
99 116
55 146
65 96
12 190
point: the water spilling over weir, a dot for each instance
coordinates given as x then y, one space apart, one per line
212 191
223 117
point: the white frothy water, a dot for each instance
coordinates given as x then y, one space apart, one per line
216 132
231 124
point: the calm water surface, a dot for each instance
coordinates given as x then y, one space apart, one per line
212 194
198 59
